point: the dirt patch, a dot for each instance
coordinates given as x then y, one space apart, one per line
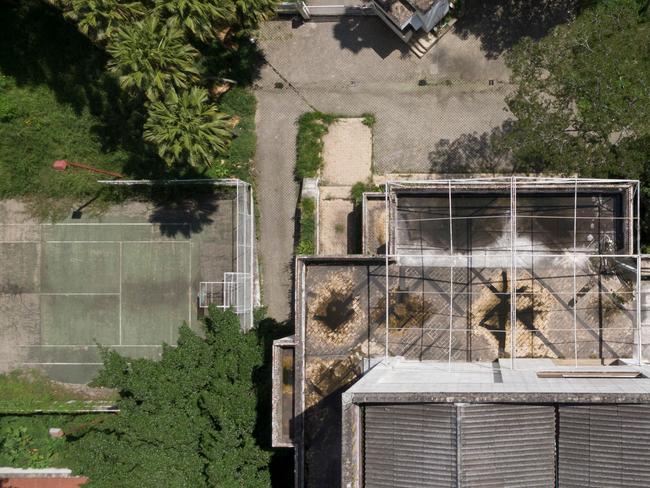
406 310
336 312
337 229
490 317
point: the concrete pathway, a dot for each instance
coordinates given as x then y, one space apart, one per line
350 67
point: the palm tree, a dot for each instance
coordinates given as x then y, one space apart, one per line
98 18
153 57
187 128
203 18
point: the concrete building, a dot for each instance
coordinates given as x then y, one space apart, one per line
411 17
490 334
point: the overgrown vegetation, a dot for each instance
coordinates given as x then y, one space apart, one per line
199 417
31 391
240 104
307 241
25 441
361 187
163 53
312 126
187 420
582 101
58 101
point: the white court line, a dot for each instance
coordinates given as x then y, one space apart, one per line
73 294
89 345
152 224
120 304
118 242
189 290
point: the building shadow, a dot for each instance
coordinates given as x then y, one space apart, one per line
472 153
500 24
281 459
358 33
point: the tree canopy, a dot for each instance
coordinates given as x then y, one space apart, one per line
161 50
186 420
582 98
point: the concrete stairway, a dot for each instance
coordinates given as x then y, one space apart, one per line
420 45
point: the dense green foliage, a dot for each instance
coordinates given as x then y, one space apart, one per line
186 420
582 101
312 126
168 53
58 101
583 98
361 187
153 57
307 241
30 391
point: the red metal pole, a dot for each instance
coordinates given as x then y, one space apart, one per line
62 164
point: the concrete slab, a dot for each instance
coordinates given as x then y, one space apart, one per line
337 227
347 153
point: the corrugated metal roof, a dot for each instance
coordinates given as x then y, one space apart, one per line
604 446
507 445
410 446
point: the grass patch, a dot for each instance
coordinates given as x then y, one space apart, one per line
58 102
307 242
368 120
361 187
30 391
312 126
241 103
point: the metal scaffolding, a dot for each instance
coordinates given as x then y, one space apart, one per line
584 234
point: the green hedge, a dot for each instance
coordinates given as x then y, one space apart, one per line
307 242
312 126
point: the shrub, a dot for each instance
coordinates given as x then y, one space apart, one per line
369 119
186 420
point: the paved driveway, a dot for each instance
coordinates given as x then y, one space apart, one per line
433 114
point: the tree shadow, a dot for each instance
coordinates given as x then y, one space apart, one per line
240 60
472 153
358 33
499 24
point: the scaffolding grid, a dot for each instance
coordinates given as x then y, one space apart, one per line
556 260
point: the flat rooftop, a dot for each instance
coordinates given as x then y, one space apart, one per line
533 380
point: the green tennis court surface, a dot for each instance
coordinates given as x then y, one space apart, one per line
126 280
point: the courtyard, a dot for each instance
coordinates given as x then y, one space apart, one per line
434 114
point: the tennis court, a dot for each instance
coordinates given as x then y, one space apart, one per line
126 280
